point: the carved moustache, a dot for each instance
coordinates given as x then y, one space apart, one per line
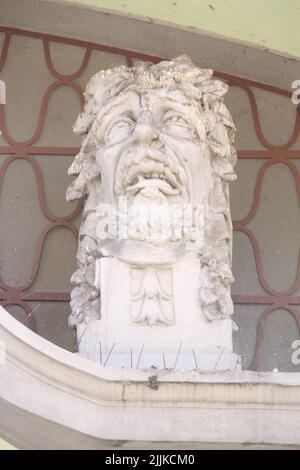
148 168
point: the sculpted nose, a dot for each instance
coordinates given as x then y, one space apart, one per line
144 131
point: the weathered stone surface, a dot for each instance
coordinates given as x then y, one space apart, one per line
154 169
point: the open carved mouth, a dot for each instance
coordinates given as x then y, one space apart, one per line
152 172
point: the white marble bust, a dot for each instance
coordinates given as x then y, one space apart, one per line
154 256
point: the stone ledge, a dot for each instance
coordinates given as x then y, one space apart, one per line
158 405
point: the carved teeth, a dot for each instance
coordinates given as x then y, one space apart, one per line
182 177
171 177
148 165
161 185
145 170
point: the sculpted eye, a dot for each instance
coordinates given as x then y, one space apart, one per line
119 130
175 118
175 123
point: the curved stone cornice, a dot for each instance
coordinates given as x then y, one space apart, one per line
99 26
54 384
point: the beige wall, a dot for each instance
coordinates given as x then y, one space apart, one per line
257 21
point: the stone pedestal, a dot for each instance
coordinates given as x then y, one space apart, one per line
182 338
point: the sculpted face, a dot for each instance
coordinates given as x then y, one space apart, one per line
150 148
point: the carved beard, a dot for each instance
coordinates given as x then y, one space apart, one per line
151 180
